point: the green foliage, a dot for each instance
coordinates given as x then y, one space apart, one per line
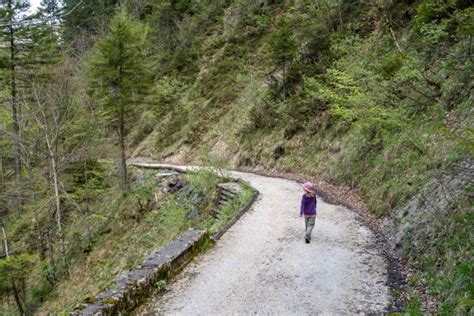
227 211
349 102
390 65
119 74
312 24
86 18
440 21
263 115
167 93
42 288
86 180
160 286
253 20
414 306
204 183
282 44
464 21
119 70
14 272
15 268
434 10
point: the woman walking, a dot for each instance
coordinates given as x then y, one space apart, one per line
308 209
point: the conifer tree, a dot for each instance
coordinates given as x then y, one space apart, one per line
29 41
283 46
119 76
29 46
14 29
13 276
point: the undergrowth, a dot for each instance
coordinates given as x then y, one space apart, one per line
116 232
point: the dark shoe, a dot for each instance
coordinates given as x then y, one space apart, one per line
307 240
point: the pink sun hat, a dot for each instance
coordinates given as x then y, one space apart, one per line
308 187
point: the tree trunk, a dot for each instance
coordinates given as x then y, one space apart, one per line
5 242
17 298
87 208
57 200
3 182
14 103
339 5
38 236
123 158
49 246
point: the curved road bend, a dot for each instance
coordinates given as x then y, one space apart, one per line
263 266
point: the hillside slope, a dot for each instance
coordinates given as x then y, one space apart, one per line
374 96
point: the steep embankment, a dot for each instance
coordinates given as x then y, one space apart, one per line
375 97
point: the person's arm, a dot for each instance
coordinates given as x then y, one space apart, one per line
302 206
315 205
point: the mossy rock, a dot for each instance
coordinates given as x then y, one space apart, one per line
109 301
90 299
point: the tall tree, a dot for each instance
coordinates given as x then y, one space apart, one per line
14 30
29 41
64 130
119 74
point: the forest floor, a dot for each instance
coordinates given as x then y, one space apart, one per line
263 265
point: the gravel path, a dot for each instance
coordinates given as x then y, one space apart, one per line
263 266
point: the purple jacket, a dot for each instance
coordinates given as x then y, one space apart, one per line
308 205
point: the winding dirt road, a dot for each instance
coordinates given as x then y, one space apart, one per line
263 266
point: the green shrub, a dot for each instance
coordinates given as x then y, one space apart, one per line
282 44
160 286
434 10
263 116
391 64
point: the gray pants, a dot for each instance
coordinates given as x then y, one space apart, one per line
309 225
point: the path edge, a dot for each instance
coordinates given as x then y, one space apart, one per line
133 287
396 281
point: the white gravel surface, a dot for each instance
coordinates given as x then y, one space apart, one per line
263 266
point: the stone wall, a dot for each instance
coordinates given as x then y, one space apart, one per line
133 287
238 215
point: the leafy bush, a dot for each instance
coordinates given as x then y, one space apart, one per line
390 64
